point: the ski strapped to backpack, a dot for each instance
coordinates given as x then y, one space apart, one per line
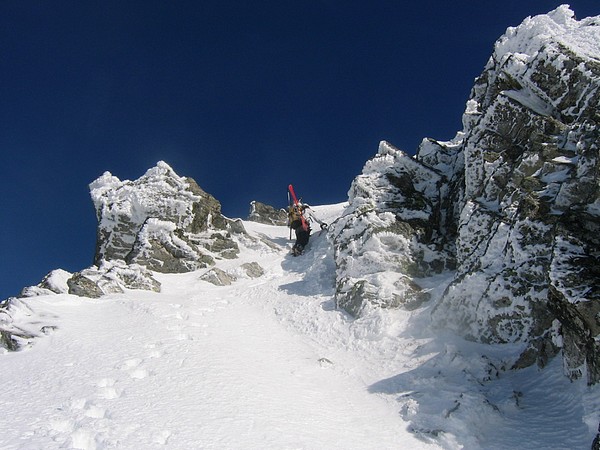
296 203
298 207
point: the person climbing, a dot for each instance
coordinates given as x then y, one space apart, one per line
299 217
299 224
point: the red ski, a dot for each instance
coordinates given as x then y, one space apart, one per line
293 194
296 203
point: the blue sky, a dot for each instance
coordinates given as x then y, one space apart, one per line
244 97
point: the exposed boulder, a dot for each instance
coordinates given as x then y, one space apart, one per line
263 213
218 277
162 221
111 278
252 270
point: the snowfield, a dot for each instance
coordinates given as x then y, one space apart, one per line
270 363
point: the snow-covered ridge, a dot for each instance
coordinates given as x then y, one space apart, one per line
269 363
560 27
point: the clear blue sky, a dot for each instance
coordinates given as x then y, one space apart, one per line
244 97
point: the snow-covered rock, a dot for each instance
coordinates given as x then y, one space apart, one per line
388 235
55 282
218 277
162 221
512 200
111 277
528 233
20 324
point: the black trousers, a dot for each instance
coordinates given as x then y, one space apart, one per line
302 235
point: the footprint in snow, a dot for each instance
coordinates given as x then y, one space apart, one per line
89 409
132 366
161 437
155 354
107 390
182 315
78 403
155 350
62 425
95 412
84 439
139 374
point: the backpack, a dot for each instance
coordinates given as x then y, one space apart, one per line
296 218
295 213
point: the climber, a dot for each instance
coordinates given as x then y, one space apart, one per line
299 217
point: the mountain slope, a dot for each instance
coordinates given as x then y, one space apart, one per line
195 366
267 362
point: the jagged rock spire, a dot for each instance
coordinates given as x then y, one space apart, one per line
157 220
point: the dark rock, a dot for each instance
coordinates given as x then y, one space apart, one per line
218 277
263 213
83 286
7 341
253 270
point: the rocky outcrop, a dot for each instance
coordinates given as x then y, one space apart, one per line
220 277
161 221
529 225
20 324
111 277
263 213
512 202
388 237
53 283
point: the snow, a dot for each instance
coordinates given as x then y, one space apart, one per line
270 363
565 160
159 189
560 26
530 101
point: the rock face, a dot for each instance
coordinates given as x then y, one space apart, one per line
263 213
160 221
513 203
389 235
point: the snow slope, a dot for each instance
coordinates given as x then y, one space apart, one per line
268 363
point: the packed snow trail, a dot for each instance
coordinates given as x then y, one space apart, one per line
194 367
